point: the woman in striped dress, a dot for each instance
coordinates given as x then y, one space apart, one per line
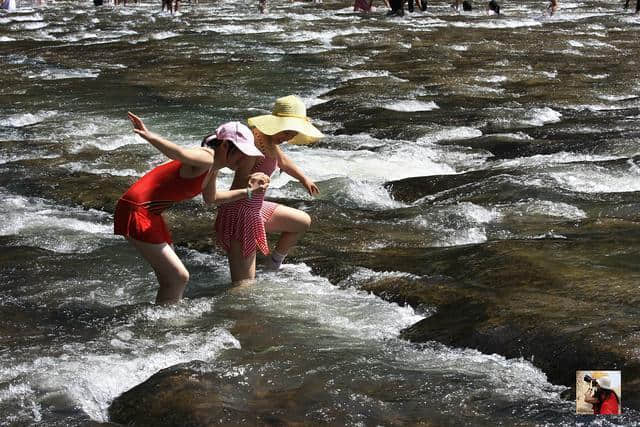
241 226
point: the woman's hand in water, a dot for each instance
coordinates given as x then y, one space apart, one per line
310 186
258 181
138 125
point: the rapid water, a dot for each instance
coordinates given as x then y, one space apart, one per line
397 98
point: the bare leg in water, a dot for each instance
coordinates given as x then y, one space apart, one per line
171 273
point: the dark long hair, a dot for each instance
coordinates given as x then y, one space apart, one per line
210 141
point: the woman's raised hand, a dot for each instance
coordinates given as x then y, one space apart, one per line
138 125
258 181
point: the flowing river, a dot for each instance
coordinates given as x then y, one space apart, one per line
396 97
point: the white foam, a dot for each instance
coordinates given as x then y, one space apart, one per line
324 37
363 165
541 116
26 119
89 168
450 133
15 391
36 222
412 105
460 224
244 28
163 35
555 158
28 17
549 235
62 74
354 75
347 312
30 154
597 107
100 133
597 76
177 314
491 79
478 214
544 208
34 25
92 377
497 23
515 378
518 135
616 98
598 180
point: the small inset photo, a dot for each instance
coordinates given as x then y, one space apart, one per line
598 392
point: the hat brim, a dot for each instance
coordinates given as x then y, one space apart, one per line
302 139
270 125
249 150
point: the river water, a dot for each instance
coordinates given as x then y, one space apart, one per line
397 98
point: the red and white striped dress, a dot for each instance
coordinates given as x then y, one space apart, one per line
243 220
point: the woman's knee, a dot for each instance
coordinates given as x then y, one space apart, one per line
305 221
183 275
178 275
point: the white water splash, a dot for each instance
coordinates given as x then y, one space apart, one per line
36 222
27 119
412 106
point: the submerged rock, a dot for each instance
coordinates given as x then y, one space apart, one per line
192 395
411 189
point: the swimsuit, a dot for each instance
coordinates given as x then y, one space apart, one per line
243 220
138 212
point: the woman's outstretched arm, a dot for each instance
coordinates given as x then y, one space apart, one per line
191 156
289 167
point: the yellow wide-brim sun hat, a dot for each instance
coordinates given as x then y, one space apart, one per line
289 113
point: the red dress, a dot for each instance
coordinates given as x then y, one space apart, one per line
138 212
243 220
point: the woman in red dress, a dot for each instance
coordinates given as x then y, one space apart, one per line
191 171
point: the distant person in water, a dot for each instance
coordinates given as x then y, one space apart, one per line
397 8
170 5
553 7
262 6
191 171
422 5
466 5
241 226
493 7
363 6
8 4
626 6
